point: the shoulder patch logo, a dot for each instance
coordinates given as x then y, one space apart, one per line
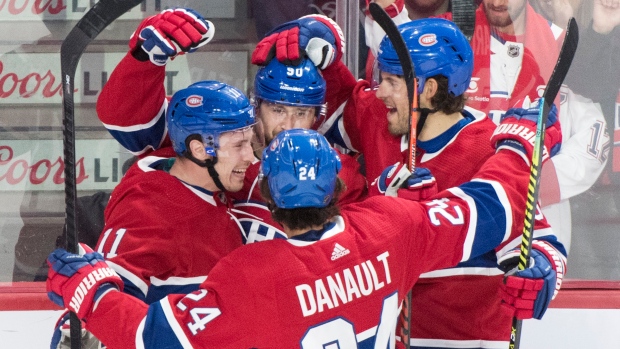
339 251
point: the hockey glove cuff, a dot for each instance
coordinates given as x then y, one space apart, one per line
77 282
517 132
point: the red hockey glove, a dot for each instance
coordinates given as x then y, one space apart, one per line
517 131
396 180
78 281
318 36
170 33
527 293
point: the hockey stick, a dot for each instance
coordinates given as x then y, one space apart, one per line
94 21
386 23
569 46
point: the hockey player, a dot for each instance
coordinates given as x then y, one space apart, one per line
341 275
440 317
168 222
515 50
443 67
293 96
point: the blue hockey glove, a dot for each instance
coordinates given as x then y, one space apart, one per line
527 293
517 131
396 180
319 37
170 33
76 281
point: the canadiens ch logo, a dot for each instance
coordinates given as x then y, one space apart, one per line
513 51
193 101
428 39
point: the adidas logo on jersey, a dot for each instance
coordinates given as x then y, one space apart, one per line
339 251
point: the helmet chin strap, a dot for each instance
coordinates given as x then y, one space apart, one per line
209 164
422 119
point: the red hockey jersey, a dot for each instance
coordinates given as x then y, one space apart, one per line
162 235
343 289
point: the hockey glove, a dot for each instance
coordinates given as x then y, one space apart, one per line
396 180
170 33
527 293
61 338
319 37
77 282
517 132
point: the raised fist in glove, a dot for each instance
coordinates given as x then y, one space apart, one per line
517 131
396 180
316 36
76 281
170 33
527 293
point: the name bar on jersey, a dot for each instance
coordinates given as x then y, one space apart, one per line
343 286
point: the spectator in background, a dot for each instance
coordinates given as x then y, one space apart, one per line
557 11
595 73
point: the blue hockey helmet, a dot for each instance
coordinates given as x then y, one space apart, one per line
437 47
301 168
207 108
300 85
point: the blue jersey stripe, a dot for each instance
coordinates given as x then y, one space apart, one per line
157 332
137 140
489 214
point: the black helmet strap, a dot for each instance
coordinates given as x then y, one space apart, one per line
209 164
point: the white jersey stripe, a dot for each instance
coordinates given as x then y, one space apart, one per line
479 271
174 280
141 285
139 340
174 325
473 222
